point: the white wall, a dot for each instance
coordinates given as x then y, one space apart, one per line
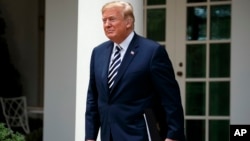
240 66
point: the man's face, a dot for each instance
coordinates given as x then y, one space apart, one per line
115 25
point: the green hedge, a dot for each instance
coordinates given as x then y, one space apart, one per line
8 135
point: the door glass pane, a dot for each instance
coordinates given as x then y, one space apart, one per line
219 98
220 60
219 130
156 23
196 23
196 61
195 98
189 1
195 130
156 2
220 22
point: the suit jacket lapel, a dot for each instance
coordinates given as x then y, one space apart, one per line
128 57
106 59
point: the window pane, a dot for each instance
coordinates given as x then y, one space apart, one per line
156 24
196 23
195 98
196 61
219 130
156 2
219 60
195 130
219 98
220 22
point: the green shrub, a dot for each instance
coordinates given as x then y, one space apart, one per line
8 135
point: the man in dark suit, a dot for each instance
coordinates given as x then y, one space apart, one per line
142 72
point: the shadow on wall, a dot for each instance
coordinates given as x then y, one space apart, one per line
10 85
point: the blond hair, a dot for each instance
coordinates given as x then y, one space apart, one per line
126 6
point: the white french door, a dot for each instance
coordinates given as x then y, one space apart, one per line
196 34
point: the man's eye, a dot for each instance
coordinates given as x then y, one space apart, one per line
113 19
109 20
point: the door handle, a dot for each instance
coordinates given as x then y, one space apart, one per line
179 73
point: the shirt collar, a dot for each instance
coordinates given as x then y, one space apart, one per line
126 42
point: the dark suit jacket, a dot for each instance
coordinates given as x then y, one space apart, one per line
145 74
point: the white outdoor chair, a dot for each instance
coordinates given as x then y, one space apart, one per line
15 112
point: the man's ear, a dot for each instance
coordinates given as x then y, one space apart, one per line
129 22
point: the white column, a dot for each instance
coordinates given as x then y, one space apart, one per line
60 70
73 29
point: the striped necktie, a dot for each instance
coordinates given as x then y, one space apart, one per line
113 69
